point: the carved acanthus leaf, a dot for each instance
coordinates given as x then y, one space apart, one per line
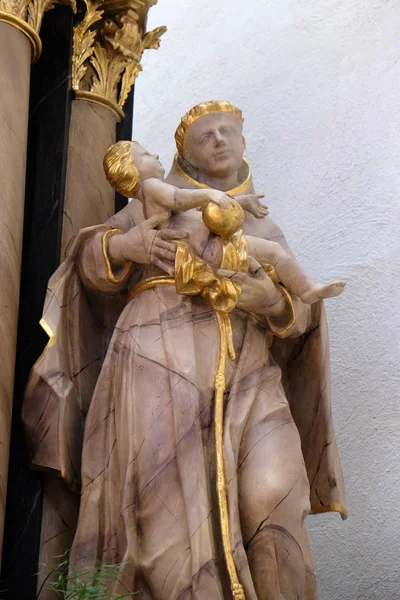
37 8
108 66
6 6
128 79
107 59
84 38
152 40
124 35
16 7
21 8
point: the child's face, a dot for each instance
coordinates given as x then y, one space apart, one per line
148 165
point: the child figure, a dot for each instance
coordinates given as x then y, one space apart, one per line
132 170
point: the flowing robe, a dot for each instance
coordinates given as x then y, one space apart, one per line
148 462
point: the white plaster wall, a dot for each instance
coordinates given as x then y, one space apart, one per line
319 84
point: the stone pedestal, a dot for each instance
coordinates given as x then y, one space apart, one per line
15 65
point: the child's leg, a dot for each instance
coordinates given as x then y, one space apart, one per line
290 272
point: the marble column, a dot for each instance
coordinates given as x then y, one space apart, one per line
89 198
59 520
15 65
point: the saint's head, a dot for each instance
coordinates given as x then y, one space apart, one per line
209 139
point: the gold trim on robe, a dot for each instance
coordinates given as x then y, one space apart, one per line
112 278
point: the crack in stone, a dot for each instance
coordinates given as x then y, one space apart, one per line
319 464
247 544
262 438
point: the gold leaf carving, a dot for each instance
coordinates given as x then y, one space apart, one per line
6 6
15 7
128 79
37 8
108 47
84 42
27 16
108 70
152 38
21 8
124 35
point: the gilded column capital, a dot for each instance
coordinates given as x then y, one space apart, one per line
108 46
27 16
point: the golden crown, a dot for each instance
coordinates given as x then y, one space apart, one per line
205 108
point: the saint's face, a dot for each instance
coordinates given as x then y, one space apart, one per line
214 144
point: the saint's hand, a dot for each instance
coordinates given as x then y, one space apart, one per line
145 245
259 293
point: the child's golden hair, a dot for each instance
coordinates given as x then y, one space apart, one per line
120 169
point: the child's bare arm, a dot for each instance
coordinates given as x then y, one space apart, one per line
158 195
186 199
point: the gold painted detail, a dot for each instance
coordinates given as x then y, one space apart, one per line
242 188
192 277
225 332
37 8
27 16
340 508
18 8
46 327
234 253
84 37
223 220
21 25
52 338
108 46
270 271
98 99
32 11
111 277
148 284
281 332
195 277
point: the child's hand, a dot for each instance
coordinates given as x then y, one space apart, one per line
220 198
251 203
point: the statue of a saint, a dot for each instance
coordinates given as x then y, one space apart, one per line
134 361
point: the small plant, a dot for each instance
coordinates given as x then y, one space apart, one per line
87 583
